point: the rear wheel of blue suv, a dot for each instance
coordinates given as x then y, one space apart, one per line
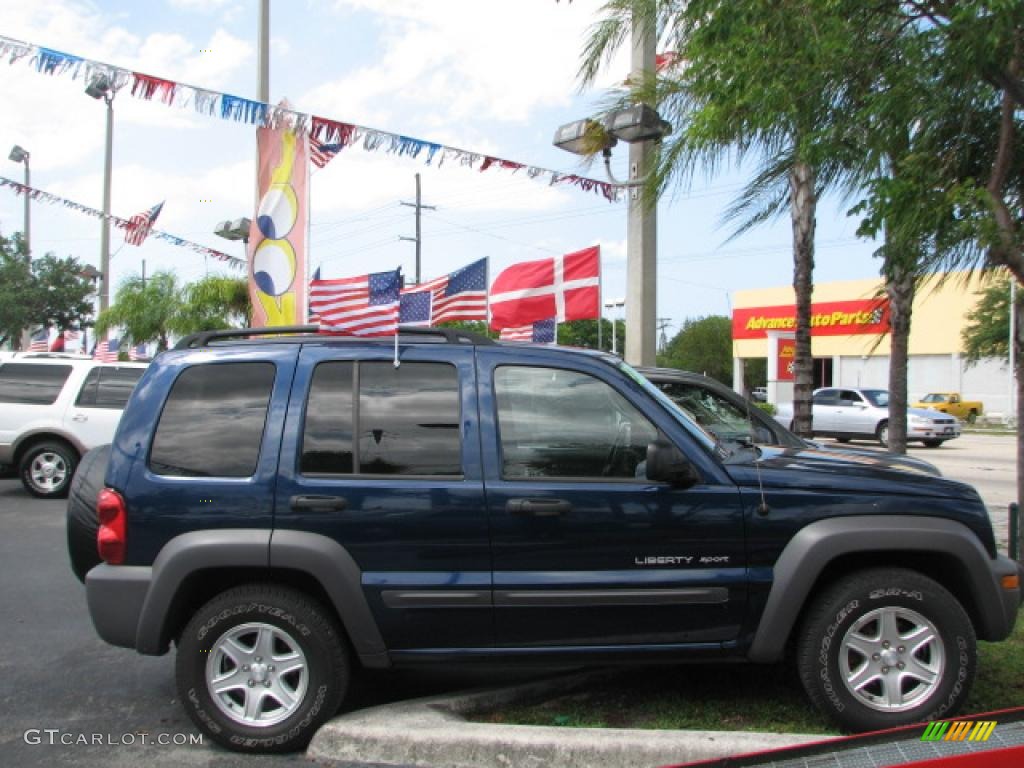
260 667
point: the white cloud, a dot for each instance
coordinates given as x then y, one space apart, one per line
205 6
481 61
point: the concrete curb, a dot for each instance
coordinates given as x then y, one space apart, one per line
434 732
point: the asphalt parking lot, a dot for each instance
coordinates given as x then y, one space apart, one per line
55 673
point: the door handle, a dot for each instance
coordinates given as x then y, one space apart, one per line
319 503
79 417
538 507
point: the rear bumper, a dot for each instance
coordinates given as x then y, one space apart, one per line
116 594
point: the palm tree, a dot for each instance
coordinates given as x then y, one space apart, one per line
750 87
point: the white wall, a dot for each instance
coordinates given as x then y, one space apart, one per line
988 381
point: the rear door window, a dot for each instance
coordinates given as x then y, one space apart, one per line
405 421
212 423
32 384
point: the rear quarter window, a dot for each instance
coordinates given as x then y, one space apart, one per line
212 423
32 384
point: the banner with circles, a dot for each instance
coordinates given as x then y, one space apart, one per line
277 235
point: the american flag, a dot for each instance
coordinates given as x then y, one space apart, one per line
40 341
459 295
106 351
138 352
541 332
321 154
139 225
358 306
72 338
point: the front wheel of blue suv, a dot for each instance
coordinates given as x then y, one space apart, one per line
886 647
260 667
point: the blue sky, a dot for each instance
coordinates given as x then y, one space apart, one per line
493 77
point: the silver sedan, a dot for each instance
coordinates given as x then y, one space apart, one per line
846 414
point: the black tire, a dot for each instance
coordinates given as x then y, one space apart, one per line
81 516
52 456
972 416
298 623
842 439
932 443
882 433
859 602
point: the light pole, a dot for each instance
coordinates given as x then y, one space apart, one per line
100 87
20 155
638 125
611 305
90 273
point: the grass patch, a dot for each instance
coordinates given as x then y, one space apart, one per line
739 697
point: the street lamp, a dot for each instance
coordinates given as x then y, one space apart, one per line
236 230
633 124
638 125
100 87
611 305
20 155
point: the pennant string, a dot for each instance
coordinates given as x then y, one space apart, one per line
38 194
234 108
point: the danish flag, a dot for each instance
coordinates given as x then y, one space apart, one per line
563 287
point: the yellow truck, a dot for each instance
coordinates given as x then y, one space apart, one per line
951 403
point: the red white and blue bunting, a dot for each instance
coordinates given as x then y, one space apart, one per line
227 107
46 197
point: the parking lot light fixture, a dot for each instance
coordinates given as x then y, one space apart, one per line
21 155
584 137
234 230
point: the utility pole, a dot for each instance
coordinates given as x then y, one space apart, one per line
418 205
641 227
263 54
663 323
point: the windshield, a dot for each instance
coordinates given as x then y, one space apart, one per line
707 438
877 397
933 398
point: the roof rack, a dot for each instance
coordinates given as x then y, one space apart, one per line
450 335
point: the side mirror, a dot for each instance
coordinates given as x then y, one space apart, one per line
665 464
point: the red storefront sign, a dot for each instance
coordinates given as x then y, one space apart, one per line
830 318
787 355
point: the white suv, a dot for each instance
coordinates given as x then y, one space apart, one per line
55 407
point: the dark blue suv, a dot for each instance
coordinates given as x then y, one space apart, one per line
285 508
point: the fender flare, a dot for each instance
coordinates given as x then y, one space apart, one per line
320 557
341 578
816 545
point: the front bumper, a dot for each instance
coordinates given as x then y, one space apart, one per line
1011 598
116 594
933 432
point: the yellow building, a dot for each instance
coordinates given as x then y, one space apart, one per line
850 341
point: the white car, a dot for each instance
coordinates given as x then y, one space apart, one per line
846 414
55 407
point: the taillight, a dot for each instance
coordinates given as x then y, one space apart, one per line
111 538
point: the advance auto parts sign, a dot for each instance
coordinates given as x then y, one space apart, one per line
832 318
